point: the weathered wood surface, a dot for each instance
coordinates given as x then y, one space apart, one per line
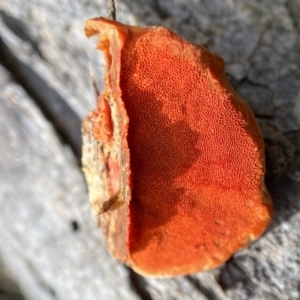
49 244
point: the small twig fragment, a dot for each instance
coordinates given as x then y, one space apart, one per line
112 10
112 203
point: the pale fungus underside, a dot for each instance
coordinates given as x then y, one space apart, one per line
177 178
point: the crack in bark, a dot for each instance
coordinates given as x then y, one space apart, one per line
63 118
20 29
259 43
206 290
162 13
138 284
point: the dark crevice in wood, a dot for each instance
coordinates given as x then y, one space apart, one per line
205 290
9 288
6 295
75 226
264 116
20 29
138 284
63 118
163 14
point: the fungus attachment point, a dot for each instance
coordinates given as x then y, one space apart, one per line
173 157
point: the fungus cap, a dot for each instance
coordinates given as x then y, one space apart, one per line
173 157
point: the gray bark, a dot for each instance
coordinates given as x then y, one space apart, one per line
50 246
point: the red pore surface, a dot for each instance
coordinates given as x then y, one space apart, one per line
196 153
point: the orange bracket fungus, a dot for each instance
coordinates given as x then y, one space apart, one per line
173 157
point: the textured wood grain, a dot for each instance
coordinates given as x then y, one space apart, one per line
48 237
42 193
